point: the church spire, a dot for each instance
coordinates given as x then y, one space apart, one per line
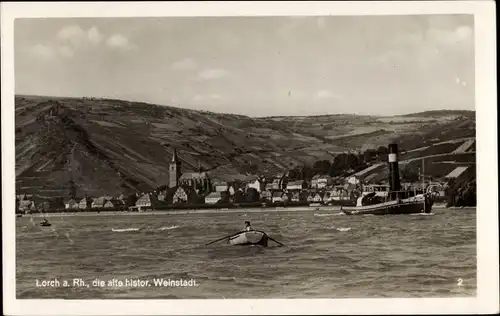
174 156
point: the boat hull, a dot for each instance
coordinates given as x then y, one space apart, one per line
45 225
253 237
390 208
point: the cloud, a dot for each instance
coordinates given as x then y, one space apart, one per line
94 35
212 73
66 51
119 41
450 37
44 51
76 36
184 64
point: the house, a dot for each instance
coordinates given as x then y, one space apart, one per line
266 195
26 205
277 184
318 197
98 202
71 204
285 197
277 197
256 184
296 185
320 181
147 201
216 197
299 196
339 193
185 194
112 203
221 186
162 195
85 203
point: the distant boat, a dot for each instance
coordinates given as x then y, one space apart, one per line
19 215
396 201
253 237
45 223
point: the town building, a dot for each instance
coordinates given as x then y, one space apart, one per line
320 181
296 185
27 205
147 201
98 202
185 194
113 203
71 204
199 181
221 186
85 203
277 197
216 197
256 184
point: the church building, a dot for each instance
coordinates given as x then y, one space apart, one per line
199 181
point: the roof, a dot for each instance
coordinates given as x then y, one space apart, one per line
321 176
100 200
193 175
25 202
367 170
456 172
220 183
214 195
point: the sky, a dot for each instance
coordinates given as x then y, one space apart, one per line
256 66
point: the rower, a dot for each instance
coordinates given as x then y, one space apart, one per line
247 226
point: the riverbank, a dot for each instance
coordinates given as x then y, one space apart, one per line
197 211
440 206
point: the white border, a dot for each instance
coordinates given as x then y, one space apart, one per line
487 300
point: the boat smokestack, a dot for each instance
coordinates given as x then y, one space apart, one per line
394 182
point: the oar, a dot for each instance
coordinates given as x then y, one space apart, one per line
275 241
220 239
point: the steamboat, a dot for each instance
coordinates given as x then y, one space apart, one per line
396 201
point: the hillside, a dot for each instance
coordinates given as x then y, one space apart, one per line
110 146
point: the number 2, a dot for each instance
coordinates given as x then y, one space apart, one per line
460 281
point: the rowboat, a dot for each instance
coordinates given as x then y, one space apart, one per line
253 237
45 224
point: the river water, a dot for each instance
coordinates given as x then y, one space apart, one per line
326 255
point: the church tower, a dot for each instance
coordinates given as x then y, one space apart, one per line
174 171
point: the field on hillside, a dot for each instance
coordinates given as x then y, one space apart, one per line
112 146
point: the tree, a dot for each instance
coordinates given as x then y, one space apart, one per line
321 167
409 175
131 199
252 195
72 189
382 152
238 197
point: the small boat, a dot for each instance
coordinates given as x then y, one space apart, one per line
19 215
247 237
45 223
252 237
